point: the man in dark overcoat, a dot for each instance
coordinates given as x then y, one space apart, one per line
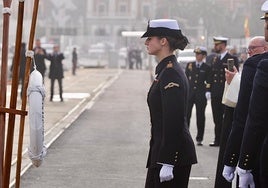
39 56
56 70
256 50
255 135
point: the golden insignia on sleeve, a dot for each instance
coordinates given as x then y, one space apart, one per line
171 84
214 59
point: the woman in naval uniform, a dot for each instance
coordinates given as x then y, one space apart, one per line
172 151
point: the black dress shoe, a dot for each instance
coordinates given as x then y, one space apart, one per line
199 143
214 144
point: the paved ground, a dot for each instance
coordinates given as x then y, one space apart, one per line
78 91
105 135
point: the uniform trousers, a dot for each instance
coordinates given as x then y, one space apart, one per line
217 112
200 102
180 180
74 67
264 164
220 181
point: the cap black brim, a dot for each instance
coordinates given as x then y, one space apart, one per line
162 31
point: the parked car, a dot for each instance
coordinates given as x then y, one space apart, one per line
97 56
185 56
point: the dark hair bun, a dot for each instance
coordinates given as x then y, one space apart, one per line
182 43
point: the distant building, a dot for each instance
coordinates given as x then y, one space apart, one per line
102 20
109 18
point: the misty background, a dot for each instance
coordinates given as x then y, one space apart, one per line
84 23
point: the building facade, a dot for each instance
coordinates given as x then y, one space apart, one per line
90 21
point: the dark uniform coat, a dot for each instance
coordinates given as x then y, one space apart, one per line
233 144
256 130
171 142
218 74
198 78
217 88
199 83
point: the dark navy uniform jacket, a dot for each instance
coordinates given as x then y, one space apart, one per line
199 78
241 111
257 121
218 74
171 142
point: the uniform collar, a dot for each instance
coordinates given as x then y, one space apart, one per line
200 63
223 54
162 64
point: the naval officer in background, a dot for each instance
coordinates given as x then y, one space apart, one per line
217 84
198 73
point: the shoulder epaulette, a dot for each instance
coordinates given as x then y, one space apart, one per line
169 65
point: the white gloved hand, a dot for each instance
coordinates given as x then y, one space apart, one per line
228 173
166 173
245 178
208 95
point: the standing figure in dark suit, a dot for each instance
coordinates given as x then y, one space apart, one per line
39 56
256 50
219 63
255 137
172 151
56 70
198 76
74 61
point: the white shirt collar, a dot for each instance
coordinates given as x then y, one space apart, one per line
223 54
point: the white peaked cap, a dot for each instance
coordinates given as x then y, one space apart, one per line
167 23
220 39
163 27
200 50
264 8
